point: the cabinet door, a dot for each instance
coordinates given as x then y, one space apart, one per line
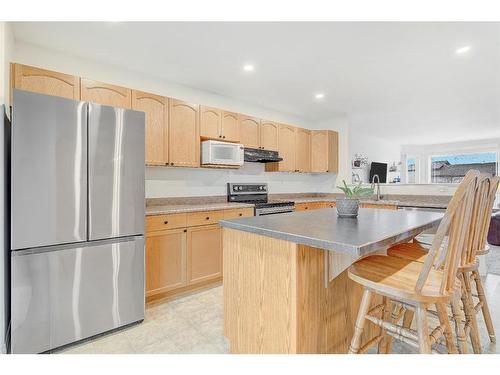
287 150
269 135
319 151
210 122
249 131
303 150
104 93
165 260
43 81
156 109
204 253
230 127
184 138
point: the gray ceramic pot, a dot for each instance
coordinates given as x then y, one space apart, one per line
347 207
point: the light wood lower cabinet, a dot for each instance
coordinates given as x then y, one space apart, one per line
204 255
184 250
42 81
165 260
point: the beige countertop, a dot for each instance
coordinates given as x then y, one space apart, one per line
162 206
192 207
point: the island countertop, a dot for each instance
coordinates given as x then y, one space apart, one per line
371 230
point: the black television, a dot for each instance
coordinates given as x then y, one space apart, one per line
379 169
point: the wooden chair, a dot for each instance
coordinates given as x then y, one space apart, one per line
417 284
468 269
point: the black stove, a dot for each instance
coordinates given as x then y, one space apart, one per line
256 193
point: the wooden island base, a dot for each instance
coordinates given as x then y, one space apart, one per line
275 300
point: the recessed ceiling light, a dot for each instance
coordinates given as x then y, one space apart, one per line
319 95
248 68
462 50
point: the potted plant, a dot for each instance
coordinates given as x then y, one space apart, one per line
348 206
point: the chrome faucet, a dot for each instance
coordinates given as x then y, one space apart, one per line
378 185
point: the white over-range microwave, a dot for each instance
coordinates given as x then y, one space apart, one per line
222 153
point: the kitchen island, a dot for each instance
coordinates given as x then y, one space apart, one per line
286 288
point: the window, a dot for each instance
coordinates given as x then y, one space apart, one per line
452 168
410 171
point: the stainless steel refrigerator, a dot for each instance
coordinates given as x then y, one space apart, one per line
77 220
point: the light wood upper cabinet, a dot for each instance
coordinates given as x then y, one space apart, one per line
286 149
269 135
204 258
249 131
44 81
303 150
184 134
104 93
166 254
324 151
210 122
230 128
156 110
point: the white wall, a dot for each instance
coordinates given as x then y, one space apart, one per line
6 43
374 148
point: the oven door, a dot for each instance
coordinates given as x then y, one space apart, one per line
222 153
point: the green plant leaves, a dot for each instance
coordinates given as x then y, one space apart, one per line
356 191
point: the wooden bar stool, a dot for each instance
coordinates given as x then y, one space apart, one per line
416 284
468 269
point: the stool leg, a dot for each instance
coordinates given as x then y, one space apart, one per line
444 321
459 326
408 318
484 307
360 322
470 314
423 329
385 315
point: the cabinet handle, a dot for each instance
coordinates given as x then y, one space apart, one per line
306 208
171 163
207 218
165 222
241 214
185 230
224 136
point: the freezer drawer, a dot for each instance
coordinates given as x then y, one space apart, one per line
49 170
68 294
116 172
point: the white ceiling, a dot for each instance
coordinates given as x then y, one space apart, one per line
402 81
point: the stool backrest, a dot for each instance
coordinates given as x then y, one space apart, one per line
455 223
481 216
494 182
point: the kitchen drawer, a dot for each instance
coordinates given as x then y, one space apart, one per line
238 212
162 222
328 204
204 218
380 206
308 206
